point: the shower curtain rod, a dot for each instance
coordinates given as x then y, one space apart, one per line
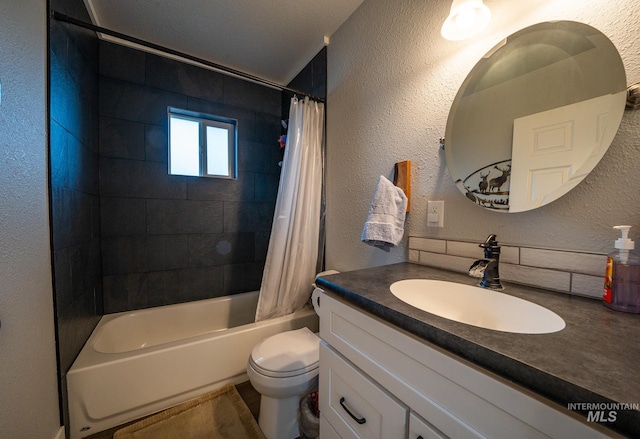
228 70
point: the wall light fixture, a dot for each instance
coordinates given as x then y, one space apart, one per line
467 18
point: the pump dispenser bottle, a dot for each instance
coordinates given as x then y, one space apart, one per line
622 278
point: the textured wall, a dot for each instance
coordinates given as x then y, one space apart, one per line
166 238
391 81
29 407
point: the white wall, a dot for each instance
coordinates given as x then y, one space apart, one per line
28 388
391 81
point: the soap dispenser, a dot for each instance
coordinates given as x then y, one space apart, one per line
622 277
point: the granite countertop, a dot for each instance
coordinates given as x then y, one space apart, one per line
594 359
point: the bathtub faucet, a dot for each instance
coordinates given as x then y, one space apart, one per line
488 268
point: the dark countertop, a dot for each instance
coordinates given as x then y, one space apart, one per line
594 359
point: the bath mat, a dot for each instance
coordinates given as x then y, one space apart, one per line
221 414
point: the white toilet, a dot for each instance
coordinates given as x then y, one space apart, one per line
283 368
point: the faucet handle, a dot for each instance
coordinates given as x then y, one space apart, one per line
490 242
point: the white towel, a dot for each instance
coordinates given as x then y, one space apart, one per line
385 224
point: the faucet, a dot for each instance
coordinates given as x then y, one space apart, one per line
488 268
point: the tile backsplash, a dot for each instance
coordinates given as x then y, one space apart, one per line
570 272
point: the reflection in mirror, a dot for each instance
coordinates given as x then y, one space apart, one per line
535 115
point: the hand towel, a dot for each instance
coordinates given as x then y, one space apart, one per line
385 223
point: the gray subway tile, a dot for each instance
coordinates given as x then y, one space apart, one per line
538 277
510 254
427 244
466 249
446 262
585 285
585 263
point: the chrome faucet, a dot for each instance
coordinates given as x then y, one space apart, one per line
488 268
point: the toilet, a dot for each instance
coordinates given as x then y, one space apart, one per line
283 368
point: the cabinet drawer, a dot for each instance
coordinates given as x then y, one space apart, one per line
354 405
420 429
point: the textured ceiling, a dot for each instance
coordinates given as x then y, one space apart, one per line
271 39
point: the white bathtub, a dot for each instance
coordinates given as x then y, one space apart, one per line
139 362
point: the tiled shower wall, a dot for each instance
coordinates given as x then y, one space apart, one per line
570 272
73 154
169 239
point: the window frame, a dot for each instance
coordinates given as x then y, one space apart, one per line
207 120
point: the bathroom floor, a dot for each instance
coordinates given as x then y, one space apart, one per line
250 396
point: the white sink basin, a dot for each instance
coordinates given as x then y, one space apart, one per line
477 306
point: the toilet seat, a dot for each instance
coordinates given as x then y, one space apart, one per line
287 354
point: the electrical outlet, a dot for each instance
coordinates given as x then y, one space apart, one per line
435 213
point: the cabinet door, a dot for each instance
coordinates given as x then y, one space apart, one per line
420 429
354 405
326 430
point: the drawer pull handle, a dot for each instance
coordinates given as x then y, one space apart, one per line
420 437
355 418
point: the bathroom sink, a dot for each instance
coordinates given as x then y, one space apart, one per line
477 306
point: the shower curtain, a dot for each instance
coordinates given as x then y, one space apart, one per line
290 267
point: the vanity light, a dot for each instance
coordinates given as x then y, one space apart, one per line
467 18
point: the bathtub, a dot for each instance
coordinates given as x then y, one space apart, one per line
136 363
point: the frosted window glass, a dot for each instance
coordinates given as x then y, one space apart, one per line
185 146
217 151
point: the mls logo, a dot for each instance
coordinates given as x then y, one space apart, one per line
601 416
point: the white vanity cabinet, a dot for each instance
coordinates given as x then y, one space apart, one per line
405 387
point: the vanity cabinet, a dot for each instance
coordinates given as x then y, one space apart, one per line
405 387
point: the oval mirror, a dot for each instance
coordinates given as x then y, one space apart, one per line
535 115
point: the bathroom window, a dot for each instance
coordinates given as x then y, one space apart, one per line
202 145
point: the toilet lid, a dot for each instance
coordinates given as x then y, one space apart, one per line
286 354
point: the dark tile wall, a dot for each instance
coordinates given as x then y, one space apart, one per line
73 147
169 239
313 78
313 81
